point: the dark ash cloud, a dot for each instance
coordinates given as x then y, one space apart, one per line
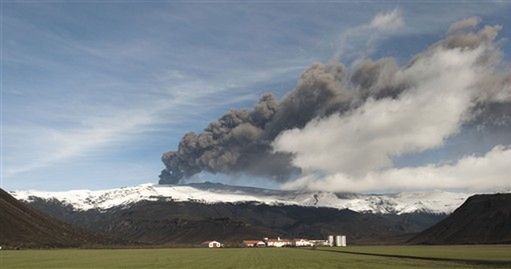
241 140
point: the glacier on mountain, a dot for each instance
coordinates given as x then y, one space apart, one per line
438 202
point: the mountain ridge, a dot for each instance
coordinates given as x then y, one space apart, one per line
435 202
189 223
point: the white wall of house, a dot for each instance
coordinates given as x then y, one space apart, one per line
261 244
279 243
320 242
302 243
214 244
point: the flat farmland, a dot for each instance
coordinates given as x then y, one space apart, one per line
358 257
456 252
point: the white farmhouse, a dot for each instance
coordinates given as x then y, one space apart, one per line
211 244
302 243
279 242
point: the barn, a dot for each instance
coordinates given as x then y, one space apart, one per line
211 244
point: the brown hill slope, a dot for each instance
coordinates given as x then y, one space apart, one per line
23 226
189 223
482 219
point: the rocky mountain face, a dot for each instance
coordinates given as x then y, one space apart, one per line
482 219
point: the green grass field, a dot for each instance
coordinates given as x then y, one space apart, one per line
261 258
466 252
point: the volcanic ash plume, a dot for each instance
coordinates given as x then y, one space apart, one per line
272 139
240 141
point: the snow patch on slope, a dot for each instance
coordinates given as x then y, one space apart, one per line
210 193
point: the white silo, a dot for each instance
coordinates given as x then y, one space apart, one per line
331 240
338 242
343 241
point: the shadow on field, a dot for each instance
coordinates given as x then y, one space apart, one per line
504 264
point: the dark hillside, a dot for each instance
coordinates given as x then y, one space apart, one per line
21 226
189 223
482 219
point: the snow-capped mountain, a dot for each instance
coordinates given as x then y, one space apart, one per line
211 193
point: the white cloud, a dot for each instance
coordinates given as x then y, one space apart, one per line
53 145
368 137
488 172
387 21
361 39
353 151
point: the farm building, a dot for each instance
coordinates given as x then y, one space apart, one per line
340 240
302 243
322 243
211 244
253 243
331 240
279 242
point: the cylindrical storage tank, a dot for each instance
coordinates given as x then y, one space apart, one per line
338 242
343 241
330 240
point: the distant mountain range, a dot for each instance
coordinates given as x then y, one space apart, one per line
185 215
189 223
190 214
482 219
435 202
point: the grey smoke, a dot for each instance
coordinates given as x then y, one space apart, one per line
464 24
321 91
377 78
240 140
234 143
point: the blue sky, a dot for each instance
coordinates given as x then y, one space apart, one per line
94 93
